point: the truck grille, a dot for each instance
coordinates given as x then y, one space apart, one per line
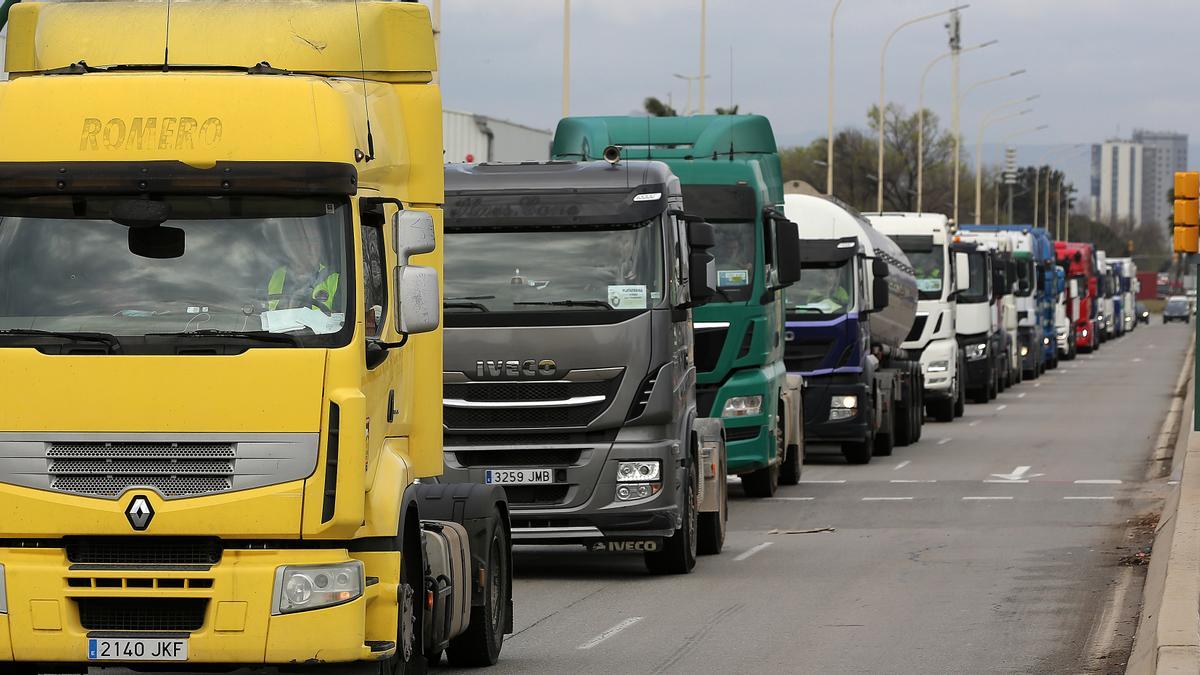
522 457
142 614
144 550
516 416
109 469
539 495
918 328
803 357
524 391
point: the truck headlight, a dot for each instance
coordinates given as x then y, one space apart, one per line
630 472
1045 342
1024 350
1100 317
300 588
1085 333
976 352
842 407
938 366
742 406
628 493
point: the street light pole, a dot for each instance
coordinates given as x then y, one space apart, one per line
1037 181
566 71
1004 146
958 99
988 120
955 52
703 39
829 138
882 62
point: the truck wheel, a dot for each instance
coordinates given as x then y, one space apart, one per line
480 644
902 423
960 396
943 410
762 483
410 650
678 552
858 452
789 471
918 409
885 441
711 526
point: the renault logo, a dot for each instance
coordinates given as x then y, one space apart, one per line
139 513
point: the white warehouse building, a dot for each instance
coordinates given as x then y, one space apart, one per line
470 138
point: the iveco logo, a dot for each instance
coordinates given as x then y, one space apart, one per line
139 513
526 368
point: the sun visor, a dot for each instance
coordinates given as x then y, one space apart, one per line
574 208
311 37
816 253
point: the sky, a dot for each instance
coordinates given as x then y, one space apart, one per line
1100 67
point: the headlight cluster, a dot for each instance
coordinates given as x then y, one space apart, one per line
1024 350
842 407
938 367
1045 342
639 479
304 587
742 406
976 352
1100 317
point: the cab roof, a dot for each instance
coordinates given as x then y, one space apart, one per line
691 137
547 176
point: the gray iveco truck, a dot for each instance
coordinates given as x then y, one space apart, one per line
570 376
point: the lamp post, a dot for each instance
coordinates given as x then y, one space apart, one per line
989 120
829 138
703 40
690 79
882 62
1003 147
1037 181
921 116
566 69
958 99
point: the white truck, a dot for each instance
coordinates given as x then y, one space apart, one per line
1106 324
925 238
1004 269
1127 289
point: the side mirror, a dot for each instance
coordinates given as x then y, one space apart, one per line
787 251
702 267
417 309
412 234
879 294
879 269
962 272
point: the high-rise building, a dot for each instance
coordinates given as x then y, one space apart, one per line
1164 153
1117 182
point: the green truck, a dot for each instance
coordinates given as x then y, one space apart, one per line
729 169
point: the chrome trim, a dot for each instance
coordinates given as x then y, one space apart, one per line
593 374
564 403
3 592
454 377
536 533
578 375
709 325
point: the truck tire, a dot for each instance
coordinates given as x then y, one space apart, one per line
789 471
410 650
902 421
858 452
678 552
481 643
942 410
711 527
960 397
918 409
885 441
762 483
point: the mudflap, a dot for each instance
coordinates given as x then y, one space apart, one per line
473 506
710 435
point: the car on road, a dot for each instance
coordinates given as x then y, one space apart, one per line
1141 313
1177 309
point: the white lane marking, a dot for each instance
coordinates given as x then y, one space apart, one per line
903 464
610 632
1172 482
909 480
822 482
1090 498
1017 474
752 551
975 423
1137 360
1000 407
1036 385
1005 481
887 499
988 499
945 441
1021 395
790 499
1098 481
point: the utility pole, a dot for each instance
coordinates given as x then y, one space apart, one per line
829 138
955 27
703 40
566 73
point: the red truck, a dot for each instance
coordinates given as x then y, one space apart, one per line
1079 261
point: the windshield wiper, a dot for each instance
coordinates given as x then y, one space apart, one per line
809 310
108 339
260 335
601 304
466 305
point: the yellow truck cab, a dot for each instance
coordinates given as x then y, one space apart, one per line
220 262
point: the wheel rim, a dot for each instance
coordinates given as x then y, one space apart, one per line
408 622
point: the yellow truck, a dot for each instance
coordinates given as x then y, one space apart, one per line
220 260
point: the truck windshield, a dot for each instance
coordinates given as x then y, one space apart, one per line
977 290
821 292
239 263
929 265
734 253
554 269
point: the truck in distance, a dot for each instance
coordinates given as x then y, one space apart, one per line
1079 259
933 340
729 169
977 319
847 318
570 374
1000 247
220 329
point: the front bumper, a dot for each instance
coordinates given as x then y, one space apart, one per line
1030 345
979 375
939 384
750 440
581 506
1085 334
817 426
46 592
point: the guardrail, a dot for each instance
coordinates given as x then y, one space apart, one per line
1168 634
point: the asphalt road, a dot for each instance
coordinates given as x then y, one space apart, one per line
993 545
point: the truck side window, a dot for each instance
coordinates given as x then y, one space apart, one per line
374 273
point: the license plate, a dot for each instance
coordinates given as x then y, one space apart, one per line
518 476
137 649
